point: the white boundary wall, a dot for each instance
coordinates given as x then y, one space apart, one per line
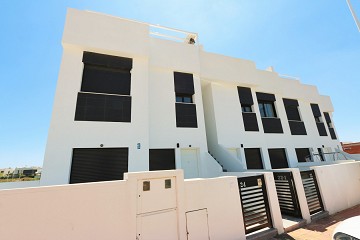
111 210
339 185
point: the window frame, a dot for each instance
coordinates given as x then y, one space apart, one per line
263 112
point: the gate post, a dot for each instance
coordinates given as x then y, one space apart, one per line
305 213
273 202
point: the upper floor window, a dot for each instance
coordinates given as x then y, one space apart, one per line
184 98
246 108
105 89
267 109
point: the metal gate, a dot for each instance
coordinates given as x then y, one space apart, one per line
312 193
287 195
254 203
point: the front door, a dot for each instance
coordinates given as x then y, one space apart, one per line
189 162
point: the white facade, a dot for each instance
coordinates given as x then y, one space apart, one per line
153 117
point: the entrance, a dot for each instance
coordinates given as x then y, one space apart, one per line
190 163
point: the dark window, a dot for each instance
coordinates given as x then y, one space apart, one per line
246 108
182 98
303 154
292 113
184 107
105 89
318 119
253 158
161 159
246 101
278 158
267 109
98 164
186 115
330 125
104 108
297 127
317 116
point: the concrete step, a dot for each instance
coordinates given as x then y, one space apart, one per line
319 215
296 225
262 234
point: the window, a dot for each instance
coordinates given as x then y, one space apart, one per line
318 119
105 89
184 107
246 101
267 109
303 154
253 158
246 108
297 127
183 98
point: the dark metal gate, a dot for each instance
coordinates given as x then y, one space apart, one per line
312 193
254 202
287 195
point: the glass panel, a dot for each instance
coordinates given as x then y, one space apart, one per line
179 99
246 108
187 99
269 110
262 110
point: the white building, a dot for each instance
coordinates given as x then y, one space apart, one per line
128 99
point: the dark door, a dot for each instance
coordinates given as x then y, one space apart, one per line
278 158
312 192
161 159
253 158
254 203
287 195
98 164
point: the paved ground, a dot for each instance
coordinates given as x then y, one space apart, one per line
321 229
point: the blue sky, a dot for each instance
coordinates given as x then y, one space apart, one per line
315 40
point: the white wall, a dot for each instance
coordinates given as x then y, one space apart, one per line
111 210
339 185
224 218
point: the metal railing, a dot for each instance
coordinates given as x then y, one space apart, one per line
331 156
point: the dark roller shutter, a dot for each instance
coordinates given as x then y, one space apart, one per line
291 108
315 109
184 83
290 102
186 115
103 108
253 158
272 125
107 60
161 159
250 122
98 164
105 80
278 158
327 117
302 154
265 97
245 95
297 128
321 128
